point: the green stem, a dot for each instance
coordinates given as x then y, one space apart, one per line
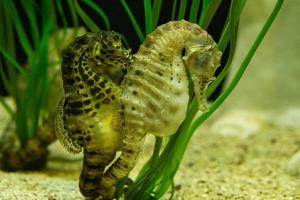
133 21
87 20
157 146
194 11
174 10
155 13
230 33
182 9
74 17
100 12
148 16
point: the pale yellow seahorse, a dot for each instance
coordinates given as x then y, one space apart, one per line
155 92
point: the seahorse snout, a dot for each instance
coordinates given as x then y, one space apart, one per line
202 62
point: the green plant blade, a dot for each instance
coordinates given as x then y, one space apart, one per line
28 7
182 9
174 5
19 28
209 9
194 11
74 16
85 18
148 16
7 43
99 11
62 15
231 26
13 62
156 12
134 22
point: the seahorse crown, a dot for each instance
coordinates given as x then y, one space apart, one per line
103 51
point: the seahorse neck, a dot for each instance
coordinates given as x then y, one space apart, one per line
170 39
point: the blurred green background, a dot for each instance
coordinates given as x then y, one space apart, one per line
272 80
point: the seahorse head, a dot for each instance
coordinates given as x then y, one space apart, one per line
104 52
202 58
110 56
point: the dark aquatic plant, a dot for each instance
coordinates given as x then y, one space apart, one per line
30 86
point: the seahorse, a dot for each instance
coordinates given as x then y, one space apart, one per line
155 92
93 67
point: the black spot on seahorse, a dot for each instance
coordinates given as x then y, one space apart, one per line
76 104
88 110
108 91
93 167
75 111
66 68
137 72
116 37
102 84
81 40
88 138
87 102
96 77
91 82
112 175
77 131
106 101
111 51
128 151
95 90
77 78
159 73
92 153
100 95
70 81
85 77
104 46
92 179
103 52
68 57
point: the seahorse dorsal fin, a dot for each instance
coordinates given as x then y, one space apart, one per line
61 132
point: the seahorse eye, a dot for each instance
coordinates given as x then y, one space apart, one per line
82 40
202 61
117 37
199 63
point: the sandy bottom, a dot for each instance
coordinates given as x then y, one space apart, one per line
217 165
227 167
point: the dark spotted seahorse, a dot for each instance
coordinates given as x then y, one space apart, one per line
93 67
155 92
